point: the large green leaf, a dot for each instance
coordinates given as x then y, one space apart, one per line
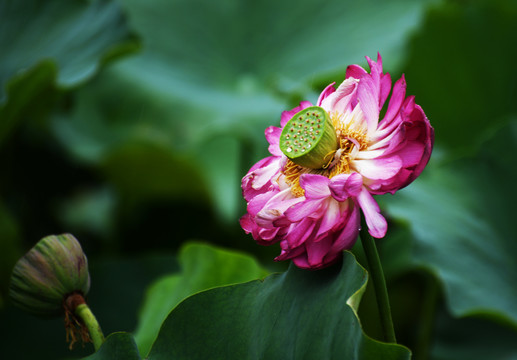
223 69
461 217
49 44
299 314
461 68
202 267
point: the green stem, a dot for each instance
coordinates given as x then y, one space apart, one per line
84 312
379 284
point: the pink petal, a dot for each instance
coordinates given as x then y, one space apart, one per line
287 115
412 154
246 223
273 209
344 186
263 175
273 138
397 98
386 140
348 235
301 232
288 252
340 100
375 67
385 89
301 261
330 219
256 204
368 96
304 209
410 139
315 186
377 225
355 71
325 93
316 251
378 169
268 236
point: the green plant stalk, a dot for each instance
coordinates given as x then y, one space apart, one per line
86 315
379 283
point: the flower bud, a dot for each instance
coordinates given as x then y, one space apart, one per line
54 268
309 139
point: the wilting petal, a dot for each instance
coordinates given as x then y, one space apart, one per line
377 225
259 179
274 208
345 185
315 186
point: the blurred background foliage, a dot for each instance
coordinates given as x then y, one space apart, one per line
130 123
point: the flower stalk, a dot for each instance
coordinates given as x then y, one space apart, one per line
86 315
379 284
80 321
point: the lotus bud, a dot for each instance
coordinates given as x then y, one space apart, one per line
44 277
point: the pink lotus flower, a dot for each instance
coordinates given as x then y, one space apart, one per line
313 210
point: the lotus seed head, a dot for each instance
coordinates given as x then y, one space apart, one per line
302 133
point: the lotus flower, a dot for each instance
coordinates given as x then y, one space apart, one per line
327 161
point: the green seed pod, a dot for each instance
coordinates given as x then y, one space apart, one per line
309 139
54 268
